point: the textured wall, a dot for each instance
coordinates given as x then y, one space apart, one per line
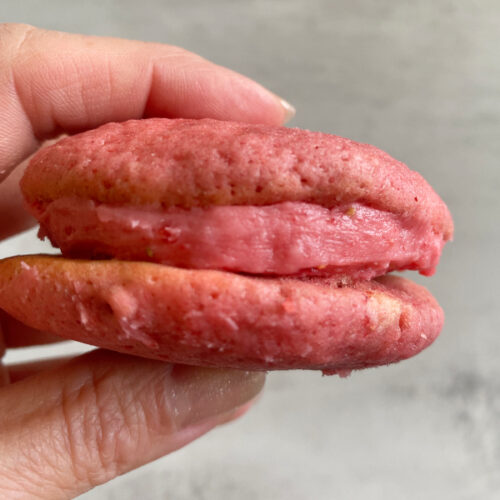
422 81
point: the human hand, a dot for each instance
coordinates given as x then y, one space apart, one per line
69 425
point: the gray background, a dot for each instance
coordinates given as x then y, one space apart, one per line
422 81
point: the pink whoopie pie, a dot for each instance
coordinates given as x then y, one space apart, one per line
231 245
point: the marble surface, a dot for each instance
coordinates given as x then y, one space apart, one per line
422 81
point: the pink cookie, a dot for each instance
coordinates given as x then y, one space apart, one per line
216 318
310 218
207 194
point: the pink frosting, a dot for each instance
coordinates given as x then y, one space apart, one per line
289 238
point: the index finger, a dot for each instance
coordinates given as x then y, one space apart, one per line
53 82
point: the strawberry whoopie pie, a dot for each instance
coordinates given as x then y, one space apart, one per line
227 244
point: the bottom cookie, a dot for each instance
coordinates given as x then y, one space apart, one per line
215 318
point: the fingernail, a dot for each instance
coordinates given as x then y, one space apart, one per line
199 394
288 110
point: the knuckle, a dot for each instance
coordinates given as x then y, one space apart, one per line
105 425
93 425
178 56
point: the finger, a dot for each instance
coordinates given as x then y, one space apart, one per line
20 371
52 82
102 414
17 334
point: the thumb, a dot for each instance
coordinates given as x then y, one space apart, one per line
65 431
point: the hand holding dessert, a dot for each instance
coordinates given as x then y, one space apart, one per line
67 426
214 238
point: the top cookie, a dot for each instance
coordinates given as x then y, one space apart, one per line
189 163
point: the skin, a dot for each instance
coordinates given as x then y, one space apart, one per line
68 425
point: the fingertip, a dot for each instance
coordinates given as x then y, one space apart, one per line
205 393
192 432
202 89
242 410
260 105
